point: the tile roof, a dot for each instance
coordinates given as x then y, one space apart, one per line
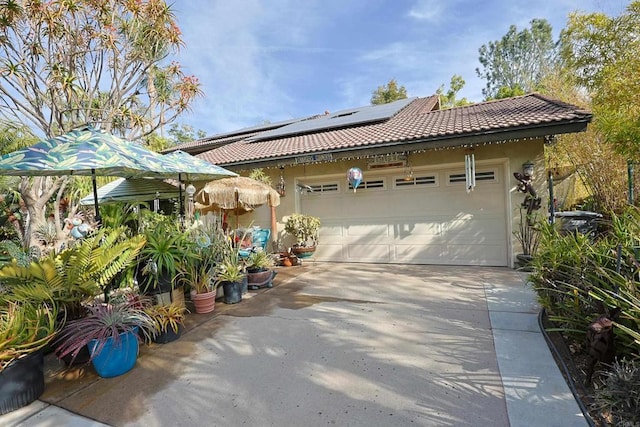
419 121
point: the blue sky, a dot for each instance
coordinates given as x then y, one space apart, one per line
271 60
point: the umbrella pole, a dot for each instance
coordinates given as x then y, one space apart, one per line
274 228
237 202
181 208
95 196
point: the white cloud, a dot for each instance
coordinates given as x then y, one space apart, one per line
427 10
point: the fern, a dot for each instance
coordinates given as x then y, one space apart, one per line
75 274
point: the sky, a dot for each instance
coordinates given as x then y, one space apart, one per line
270 60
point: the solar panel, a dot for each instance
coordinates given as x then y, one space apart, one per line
339 119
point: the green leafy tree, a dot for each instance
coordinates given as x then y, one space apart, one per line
604 54
181 133
518 61
600 171
450 99
93 62
388 93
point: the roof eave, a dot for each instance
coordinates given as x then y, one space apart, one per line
429 143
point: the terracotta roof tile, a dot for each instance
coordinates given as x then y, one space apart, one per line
418 121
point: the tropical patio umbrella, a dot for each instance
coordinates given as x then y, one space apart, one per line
239 194
133 190
191 168
90 152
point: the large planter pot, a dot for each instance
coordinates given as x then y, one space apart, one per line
115 358
232 292
161 286
204 303
524 261
303 251
169 335
245 284
21 382
260 278
83 358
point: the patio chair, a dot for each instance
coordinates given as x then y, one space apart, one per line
260 239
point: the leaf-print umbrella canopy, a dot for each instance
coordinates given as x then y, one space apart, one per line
85 151
133 190
192 168
89 151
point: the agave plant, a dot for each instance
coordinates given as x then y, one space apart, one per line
102 322
25 328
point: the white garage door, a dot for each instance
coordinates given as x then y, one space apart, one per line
429 219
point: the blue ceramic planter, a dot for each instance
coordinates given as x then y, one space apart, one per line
115 358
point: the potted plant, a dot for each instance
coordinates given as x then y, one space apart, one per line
111 333
159 259
259 273
169 319
25 328
196 271
73 276
230 274
527 234
303 228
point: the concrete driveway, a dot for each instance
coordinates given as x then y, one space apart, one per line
338 344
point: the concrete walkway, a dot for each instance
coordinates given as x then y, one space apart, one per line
338 344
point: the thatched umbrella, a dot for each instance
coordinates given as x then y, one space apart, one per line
239 194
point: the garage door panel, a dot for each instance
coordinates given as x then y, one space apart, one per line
373 230
415 232
470 255
330 251
330 231
369 253
420 254
474 231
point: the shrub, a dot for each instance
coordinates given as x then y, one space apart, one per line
575 276
619 395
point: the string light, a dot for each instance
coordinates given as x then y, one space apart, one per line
353 157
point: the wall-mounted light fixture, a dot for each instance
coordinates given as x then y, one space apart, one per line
527 169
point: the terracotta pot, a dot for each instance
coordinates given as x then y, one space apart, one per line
204 303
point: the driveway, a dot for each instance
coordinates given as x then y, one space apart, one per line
339 344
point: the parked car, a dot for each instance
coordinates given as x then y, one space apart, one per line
583 222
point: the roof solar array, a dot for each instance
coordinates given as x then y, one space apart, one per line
343 118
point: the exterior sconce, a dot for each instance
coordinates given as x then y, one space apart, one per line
527 169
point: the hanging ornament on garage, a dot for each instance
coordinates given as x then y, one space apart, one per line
354 176
470 171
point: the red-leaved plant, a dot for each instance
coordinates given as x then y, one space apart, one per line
102 322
